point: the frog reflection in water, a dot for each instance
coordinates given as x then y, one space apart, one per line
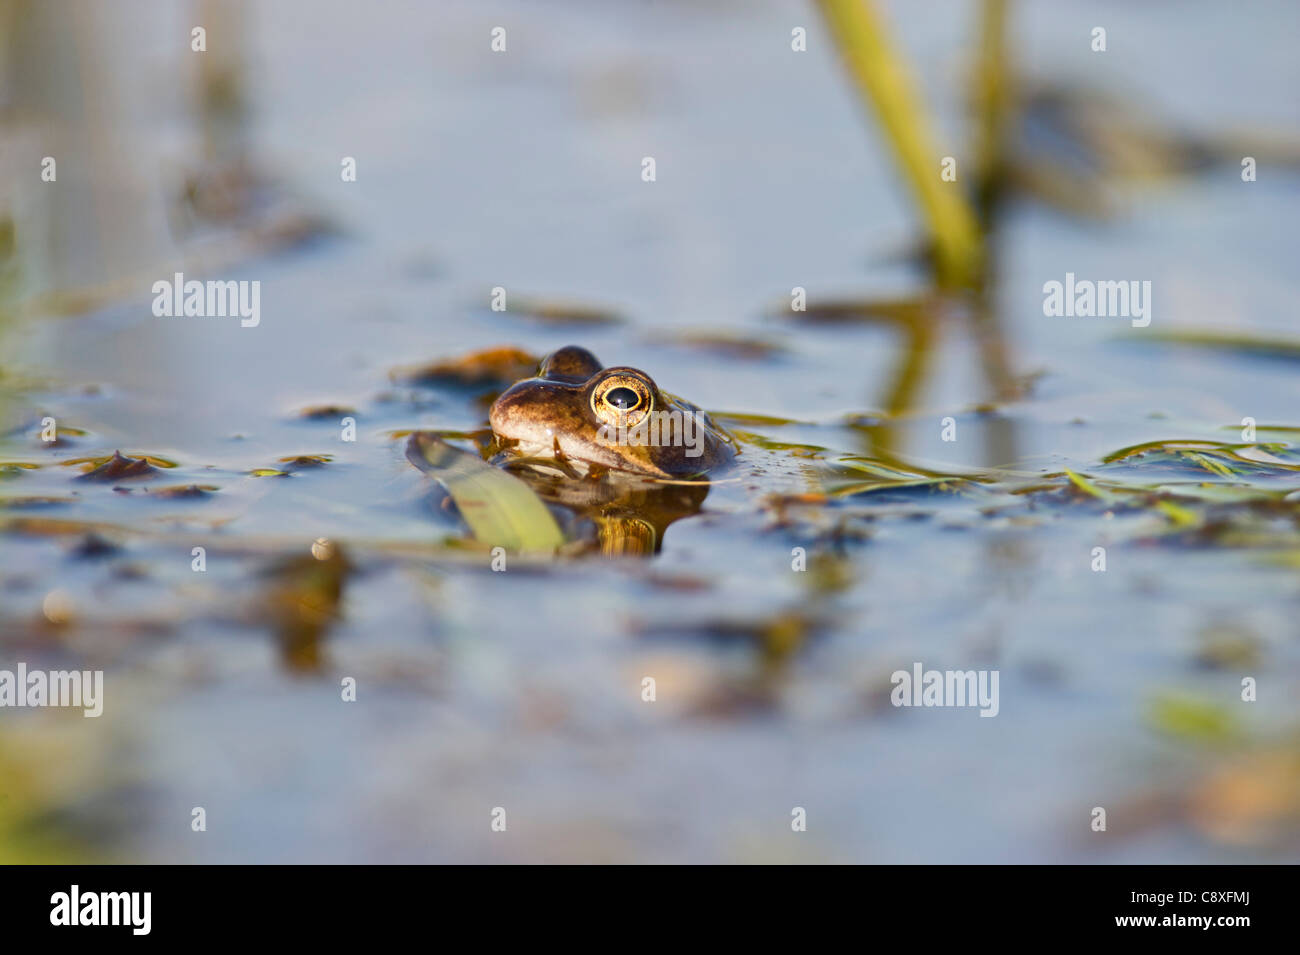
643 453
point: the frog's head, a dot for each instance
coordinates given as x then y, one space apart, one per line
611 417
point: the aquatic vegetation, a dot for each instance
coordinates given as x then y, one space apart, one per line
13 469
1220 342
554 312
1191 719
120 468
184 491
852 475
489 368
1230 461
726 344
305 462
882 78
34 502
499 509
293 463
325 412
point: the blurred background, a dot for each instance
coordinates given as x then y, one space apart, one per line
776 169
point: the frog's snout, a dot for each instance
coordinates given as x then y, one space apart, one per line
525 410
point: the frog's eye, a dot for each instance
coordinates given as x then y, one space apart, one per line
622 399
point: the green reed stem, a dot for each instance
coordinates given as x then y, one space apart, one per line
882 79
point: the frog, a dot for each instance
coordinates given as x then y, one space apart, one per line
578 412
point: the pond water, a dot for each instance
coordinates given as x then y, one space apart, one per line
522 689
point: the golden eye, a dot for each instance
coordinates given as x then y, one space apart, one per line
622 399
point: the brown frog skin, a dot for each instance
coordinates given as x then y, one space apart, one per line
573 407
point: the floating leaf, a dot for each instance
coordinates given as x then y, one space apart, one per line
325 412
1262 346
852 475
489 368
773 444
1210 464
1227 647
500 509
1221 460
302 462
31 502
119 468
907 312
1085 485
184 491
556 312
1192 719
727 344
740 417
1212 493
10 469
1181 516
